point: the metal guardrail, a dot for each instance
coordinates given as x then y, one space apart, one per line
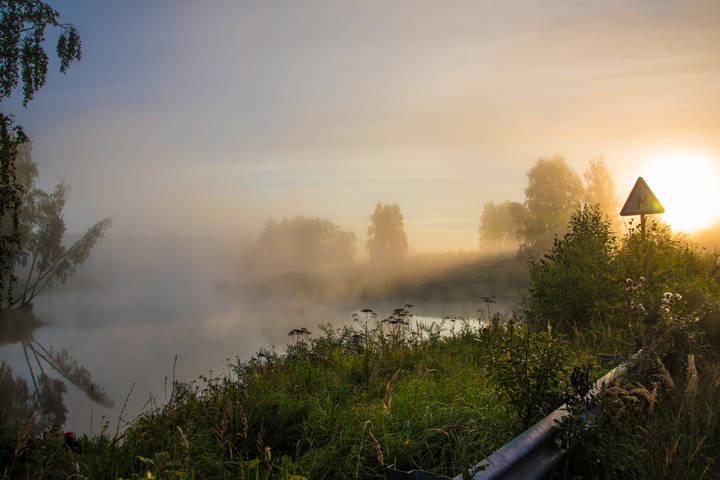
534 453
531 455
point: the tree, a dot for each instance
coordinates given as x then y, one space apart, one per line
302 243
31 223
554 191
499 225
23 60
600 189
577 281
42 257
387 241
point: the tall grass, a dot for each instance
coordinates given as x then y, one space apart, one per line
346 403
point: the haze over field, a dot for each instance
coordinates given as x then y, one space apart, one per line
188 118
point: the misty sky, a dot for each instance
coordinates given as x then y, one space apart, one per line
210 117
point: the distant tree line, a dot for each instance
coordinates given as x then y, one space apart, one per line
302 243
554 191
311 244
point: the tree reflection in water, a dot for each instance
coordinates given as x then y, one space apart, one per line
17 325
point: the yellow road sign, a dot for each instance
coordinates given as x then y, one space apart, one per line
641 201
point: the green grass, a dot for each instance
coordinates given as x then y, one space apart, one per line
327 408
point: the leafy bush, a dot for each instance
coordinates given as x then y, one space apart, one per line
530 369
576 283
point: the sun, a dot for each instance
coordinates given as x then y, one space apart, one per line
688 186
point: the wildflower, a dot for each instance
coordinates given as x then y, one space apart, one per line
678 296
641 279
668 295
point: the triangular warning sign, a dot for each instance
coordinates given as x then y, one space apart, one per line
641 201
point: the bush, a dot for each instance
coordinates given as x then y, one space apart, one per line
530 369
576 283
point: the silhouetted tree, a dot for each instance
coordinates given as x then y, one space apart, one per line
600 190
302 243
23 25
499 225
41 256
554 191
387 241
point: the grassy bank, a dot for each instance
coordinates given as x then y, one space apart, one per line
343 404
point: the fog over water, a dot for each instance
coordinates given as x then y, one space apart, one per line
140 301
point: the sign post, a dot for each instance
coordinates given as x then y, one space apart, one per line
641 201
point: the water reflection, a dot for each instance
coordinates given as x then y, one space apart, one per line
17 325
46 403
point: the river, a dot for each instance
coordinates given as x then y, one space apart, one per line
143 310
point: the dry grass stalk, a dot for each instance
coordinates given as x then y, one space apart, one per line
183 440
697 449
651 397
448 428
387 404
692 376
669 456
243 418
224 422
378 450
664 374
427 373
362 443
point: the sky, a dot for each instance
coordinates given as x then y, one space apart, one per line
208 118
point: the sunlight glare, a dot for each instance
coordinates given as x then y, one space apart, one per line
688 186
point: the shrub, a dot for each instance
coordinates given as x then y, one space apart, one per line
576 282
530 369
